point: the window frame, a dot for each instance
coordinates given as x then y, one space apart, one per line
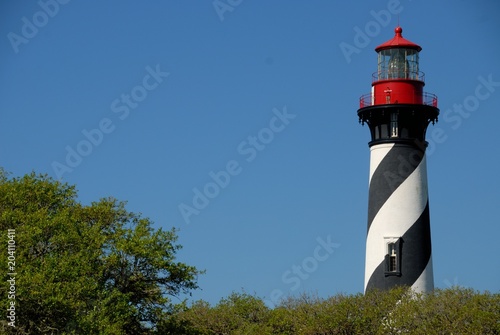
393 244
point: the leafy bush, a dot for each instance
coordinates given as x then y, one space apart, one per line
398 311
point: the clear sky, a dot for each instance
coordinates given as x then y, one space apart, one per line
235 121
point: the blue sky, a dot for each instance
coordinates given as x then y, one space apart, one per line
159 97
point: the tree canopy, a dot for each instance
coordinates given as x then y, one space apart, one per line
100 269
96 269
458 311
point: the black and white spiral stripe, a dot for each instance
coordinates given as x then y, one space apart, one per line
398 209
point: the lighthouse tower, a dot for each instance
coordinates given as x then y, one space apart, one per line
397 111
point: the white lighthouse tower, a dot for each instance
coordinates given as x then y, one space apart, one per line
397 111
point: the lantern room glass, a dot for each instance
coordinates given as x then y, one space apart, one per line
398 63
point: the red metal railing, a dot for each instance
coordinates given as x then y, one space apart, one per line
426 99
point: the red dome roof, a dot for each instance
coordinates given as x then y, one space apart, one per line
398 42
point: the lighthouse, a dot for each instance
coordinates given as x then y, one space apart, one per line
398 112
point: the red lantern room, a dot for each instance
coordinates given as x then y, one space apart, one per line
398 109
398 79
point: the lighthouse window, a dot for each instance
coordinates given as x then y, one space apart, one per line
384 133
393 257
398 63
404 132
398 66
412 59
394 125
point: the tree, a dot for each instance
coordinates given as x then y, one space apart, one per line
95 269
238 314
397 311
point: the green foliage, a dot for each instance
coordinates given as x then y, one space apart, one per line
452 311
100 269
238 314
95 269
399 311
